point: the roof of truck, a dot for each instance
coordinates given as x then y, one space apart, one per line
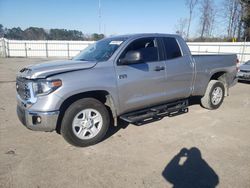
143 35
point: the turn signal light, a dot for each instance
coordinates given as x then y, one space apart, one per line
56 83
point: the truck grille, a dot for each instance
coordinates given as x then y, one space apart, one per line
22 88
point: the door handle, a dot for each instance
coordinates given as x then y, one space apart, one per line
159 68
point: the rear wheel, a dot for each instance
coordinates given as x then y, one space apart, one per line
85 122
214 95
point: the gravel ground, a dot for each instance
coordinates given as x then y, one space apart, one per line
217 150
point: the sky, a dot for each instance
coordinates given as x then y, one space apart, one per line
117 16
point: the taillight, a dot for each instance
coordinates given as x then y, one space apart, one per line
237 65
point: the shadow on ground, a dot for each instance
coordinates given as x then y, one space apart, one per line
189 170
114 129
195 100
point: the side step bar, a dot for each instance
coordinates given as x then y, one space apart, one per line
156 112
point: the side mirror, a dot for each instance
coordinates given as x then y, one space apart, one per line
132 57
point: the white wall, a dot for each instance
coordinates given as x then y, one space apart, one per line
1 47
25 48
242 49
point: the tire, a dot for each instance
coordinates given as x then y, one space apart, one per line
85 122
214 95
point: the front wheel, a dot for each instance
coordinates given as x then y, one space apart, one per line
85 122
214 95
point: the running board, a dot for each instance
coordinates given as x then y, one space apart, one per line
156 112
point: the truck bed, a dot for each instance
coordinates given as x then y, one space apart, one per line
207 65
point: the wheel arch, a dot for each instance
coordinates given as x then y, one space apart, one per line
221 76
100 95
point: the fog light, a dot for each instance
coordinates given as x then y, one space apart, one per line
39 119
36 120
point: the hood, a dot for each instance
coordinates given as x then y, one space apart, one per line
49 68
245 67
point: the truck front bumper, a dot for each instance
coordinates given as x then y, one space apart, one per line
38 121
243 76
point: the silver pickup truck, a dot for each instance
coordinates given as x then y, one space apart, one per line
132 77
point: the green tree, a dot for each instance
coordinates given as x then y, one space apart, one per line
246 18
63 34
57 34
14 33
1 31
96 36
35 33
75 35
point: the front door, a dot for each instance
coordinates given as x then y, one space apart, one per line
141 85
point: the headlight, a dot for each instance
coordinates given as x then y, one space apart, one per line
44 87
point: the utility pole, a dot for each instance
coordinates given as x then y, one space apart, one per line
99 11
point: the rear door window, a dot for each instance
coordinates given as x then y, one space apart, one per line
172 48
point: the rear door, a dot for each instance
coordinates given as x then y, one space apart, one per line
143 84
179 70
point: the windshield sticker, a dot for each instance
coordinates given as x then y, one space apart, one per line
116 42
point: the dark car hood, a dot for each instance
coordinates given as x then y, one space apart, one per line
49 68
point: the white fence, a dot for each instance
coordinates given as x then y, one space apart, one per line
242 49
41 48
68 49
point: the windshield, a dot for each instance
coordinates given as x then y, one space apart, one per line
101 50
248 63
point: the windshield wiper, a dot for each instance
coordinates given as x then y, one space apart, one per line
83 60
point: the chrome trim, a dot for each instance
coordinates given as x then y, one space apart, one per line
32 99
240 76
48 123
25 104
245 71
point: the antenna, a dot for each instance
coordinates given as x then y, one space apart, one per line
104 29
99 11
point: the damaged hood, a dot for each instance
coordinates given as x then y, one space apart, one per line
49 68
